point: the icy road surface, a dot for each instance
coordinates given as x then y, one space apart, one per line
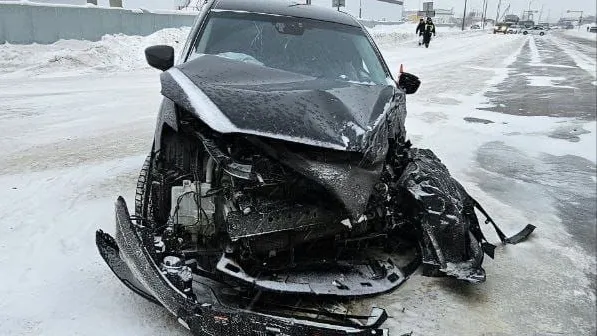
513 118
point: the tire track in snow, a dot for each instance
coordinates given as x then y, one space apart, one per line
535 56
578 53
535 52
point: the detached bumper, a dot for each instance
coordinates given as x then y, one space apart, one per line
208 314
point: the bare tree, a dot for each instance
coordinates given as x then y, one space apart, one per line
193 4
185 5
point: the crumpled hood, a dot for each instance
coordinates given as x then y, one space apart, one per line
233 96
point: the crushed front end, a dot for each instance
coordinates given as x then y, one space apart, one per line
214 308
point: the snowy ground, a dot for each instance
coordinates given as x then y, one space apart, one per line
513 117
582 33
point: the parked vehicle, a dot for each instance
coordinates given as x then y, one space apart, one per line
593 29
501 28
514 29
475 27
536 30
281 180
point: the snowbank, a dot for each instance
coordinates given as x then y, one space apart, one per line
392 34
111 53
386 36
125 53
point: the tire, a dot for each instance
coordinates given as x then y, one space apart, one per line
541 34
146 197
525 33
142 191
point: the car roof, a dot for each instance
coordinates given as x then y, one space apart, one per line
287 8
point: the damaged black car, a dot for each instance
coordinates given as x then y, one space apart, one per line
281 182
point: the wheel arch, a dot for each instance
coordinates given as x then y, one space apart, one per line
167 121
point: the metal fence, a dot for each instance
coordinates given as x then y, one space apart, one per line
22 23
371 23
25 23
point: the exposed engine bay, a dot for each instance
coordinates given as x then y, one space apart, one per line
226 210
221 207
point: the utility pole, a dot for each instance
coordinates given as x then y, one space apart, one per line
529 11
483 14
485 3
506 12
464 16
338 3
540 14
360 9
499 8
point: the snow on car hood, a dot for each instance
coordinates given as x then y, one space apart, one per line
235 96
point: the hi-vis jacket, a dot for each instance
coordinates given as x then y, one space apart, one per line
429 28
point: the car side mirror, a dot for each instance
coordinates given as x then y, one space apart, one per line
409 83
160 57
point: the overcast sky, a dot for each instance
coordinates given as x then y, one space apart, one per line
554 7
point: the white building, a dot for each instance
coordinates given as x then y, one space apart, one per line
442 16
370 9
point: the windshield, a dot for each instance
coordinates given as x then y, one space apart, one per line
304 46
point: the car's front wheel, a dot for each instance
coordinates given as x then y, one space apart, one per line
525 33
142 191
541 34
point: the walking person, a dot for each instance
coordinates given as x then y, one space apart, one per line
429 29
420 30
